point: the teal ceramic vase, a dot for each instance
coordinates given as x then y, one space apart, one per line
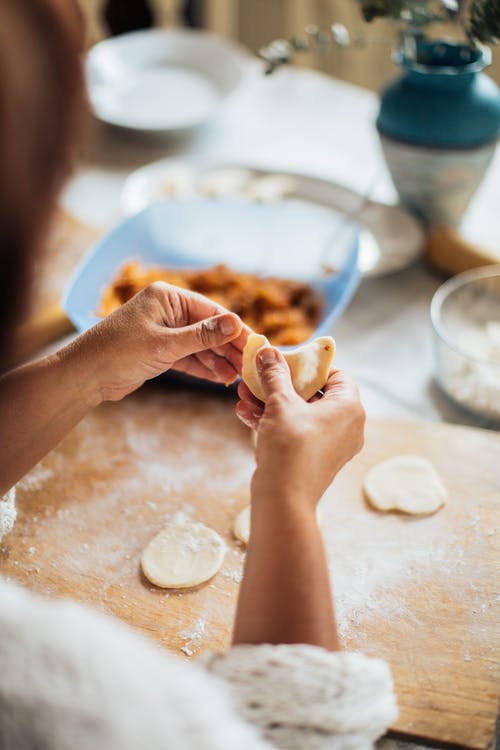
439 124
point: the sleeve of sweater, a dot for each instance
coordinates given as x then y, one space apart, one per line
73 678
305 698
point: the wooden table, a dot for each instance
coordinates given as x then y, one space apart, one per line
298 120
304 121
418 592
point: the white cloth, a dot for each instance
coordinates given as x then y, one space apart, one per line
73 678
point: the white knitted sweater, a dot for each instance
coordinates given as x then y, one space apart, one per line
72 679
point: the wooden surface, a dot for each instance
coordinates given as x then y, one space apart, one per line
419 592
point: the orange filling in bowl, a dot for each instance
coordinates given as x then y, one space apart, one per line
285 311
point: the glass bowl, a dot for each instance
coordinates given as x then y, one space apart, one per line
465 315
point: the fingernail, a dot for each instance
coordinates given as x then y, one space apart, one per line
227 325
267 357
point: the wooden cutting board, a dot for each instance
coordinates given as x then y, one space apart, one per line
420 592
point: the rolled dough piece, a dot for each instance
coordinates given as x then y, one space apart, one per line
183 554
408 483
309 365
241 526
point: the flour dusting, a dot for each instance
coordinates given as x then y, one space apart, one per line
372 558
35 479
233 575
193 636
474 381
8 513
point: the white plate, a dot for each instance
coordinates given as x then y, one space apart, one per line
390 240
163 81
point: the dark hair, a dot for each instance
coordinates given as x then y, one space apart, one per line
41 103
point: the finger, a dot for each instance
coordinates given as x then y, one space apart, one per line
246 394
193 308
249 414
240 341
192 366
274 373
339 386
235 348
198 307
231 354
182 307
220 366
206 334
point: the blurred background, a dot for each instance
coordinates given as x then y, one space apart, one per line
254 23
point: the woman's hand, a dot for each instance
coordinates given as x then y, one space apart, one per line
285 595
300 446
161 328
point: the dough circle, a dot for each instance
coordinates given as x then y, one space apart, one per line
309 365
183 554
241 526
406 483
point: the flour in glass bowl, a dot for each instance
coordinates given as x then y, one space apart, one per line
475 381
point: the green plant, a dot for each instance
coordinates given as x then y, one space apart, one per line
411 12
485 21
479 20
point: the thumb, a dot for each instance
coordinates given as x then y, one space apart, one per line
274 373
206 334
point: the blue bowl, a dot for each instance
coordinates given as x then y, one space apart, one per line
290 238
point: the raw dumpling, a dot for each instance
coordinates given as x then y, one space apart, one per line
409 484
309 365
183 554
